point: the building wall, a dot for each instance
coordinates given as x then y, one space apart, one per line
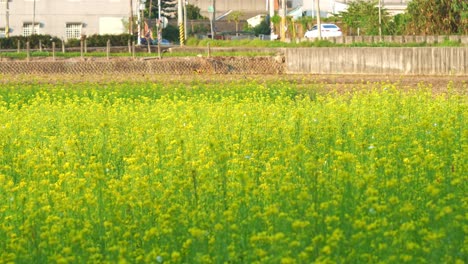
222 6
328 7
96 16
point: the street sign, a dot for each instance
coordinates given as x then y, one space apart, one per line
210 9
164 22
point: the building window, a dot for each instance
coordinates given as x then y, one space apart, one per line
73 30
28 29
2 32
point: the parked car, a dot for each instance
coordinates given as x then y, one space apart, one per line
328 30
155 41
164 42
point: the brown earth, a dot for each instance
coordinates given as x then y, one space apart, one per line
332 83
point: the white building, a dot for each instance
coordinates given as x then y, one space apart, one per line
330 7
64 18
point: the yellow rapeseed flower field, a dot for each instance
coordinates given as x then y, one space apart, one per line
231 172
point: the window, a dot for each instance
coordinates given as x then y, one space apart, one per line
73 30
28 29
2 32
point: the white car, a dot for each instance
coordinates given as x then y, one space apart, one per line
328 30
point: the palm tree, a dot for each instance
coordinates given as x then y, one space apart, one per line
235 16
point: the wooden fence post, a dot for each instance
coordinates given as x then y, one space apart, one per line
53 50
63 46
108 48
18 45
40 45
27 50
81 48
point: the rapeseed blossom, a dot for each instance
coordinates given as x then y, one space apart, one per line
237 172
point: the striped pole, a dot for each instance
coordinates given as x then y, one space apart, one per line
180 19
181 34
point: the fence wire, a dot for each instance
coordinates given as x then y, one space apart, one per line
214 65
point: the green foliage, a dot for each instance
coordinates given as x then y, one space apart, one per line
192 41
306 22
193 12
198 29
12 42
235 17
448 43
431 17
171 33
262 28
101 40
397 26
363 15
276 19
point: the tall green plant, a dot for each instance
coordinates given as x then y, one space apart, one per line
193 12
363 16
305 21
235 17
437 17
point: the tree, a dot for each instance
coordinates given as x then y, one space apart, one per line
193 12
263 28
276 20
236 17
437 17
363 15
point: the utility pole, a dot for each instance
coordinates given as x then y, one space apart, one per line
380 20
185 18
141 8
213 27
212 11
158 27
159 10
7 20
319 24
272 13
34 18
130 23
180 22
283 20
150 9
139 23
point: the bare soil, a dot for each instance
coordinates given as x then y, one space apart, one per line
328 83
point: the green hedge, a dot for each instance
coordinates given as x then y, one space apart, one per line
46 41
12 42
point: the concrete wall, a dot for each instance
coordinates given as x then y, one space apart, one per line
391 61
431 39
